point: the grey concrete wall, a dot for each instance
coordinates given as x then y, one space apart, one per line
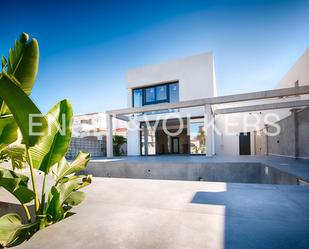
218 172
303 133
97 148
260 146
293 139
284 143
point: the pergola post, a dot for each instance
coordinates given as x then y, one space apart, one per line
109 136
209 131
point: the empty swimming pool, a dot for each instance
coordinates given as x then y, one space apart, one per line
216 172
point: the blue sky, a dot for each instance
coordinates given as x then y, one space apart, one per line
87 46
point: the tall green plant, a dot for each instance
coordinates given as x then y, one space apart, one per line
44 148
118 141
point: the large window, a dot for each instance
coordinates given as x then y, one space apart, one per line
156 94
150 95
174 92
161 93
137 97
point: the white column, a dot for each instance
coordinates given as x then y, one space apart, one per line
209 128
109 136
133 138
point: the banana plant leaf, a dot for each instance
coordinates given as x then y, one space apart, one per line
54 145
65 193
17 155
3 62
8 131
75 198
22 109
79 163
71 184
6 173
54 210
12 229
22 64
16 184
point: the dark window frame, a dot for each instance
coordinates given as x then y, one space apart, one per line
167 100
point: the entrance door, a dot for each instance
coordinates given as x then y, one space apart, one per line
175 145
244 143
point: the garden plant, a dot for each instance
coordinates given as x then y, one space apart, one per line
42 148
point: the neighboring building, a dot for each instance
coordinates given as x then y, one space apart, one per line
187 88
93 126
89 125
89 134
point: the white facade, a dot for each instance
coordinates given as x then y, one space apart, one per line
196 78
195 74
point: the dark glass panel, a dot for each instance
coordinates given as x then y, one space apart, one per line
174 92
161 92
137 97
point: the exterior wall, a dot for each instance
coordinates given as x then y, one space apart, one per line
227 136
303 133
299 71
195 75
284 143
196 78
96 148
292 141
229 145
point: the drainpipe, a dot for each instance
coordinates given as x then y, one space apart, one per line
295 132
145 139
109 136
266 140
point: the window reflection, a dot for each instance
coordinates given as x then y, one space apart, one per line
174 92
137 97
150 95
197 136
156 94
161 92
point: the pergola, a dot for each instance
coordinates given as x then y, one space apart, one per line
209 112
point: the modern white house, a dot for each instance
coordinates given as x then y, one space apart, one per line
185 79
173 108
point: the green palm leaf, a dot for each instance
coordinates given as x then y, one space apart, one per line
53 146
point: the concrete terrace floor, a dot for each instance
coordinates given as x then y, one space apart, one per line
159 214
134 213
